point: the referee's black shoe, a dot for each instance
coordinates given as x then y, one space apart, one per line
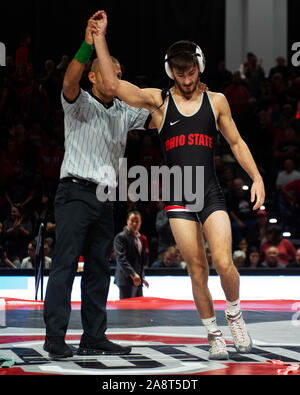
102 347
57 347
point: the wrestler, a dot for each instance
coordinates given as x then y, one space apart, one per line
187 109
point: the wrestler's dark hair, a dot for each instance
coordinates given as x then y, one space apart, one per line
181 55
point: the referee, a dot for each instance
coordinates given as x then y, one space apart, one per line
96 127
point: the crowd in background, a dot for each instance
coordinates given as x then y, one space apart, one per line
265 107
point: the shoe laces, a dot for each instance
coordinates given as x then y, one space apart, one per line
217 342
238 329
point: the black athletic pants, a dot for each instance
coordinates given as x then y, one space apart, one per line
84 226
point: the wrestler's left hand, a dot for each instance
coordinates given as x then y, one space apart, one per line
100 18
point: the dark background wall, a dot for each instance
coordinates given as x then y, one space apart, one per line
139 32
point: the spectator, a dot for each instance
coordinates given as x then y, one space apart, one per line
288 147
4 261
288 174
296 263
238 96
253 259
130 259
150 155
242 215
272 259
291 193
222 77
243 245
19 188
29 261
17 232
163 230
62 66
258 234
169 260
254 74
286 250
48 244
282 69
239 258
49 161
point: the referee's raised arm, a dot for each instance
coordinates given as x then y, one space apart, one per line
71 87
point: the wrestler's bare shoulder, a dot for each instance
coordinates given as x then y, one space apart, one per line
216 96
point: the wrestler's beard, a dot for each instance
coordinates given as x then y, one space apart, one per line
187 90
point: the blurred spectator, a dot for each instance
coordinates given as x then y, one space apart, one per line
291 216
254 74
238 96
239 206
243 245
35 102
52 84
287 175
272 259
23 52
29 261
253 258
19 188
286 250
282 68
48 247
62 66
258 234
239 258
288 147
150 155
222 78
163 230
169 260
17 232
296 263
49 160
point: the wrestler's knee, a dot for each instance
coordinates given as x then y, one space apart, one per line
198 271
223 265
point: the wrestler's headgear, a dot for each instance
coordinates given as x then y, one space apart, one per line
181 52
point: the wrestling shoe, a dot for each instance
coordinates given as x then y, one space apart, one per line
241 338
217 349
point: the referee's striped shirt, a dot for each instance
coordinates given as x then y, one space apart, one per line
96 136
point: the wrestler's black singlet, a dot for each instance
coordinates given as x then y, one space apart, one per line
190 140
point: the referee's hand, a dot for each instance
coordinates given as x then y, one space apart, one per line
136 279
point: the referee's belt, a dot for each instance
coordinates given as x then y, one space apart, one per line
89 184
80 181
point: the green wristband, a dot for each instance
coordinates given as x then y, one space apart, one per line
85 52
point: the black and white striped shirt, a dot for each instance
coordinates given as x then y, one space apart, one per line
96 136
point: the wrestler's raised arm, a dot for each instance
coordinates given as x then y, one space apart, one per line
129 93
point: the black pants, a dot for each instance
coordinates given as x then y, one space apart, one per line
84 226
130 291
